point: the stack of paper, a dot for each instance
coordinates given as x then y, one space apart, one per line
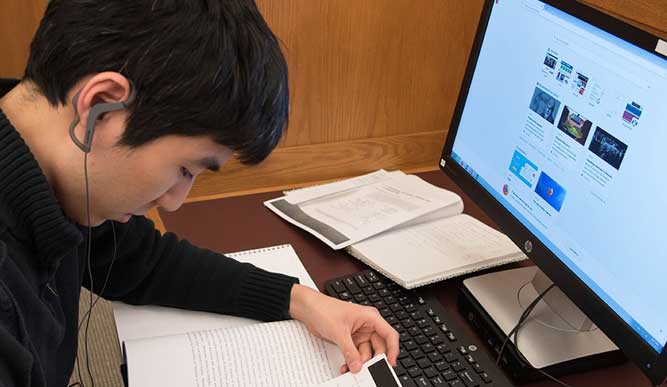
411 231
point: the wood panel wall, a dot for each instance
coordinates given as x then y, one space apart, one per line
373 82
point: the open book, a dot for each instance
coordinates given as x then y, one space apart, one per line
405 228
173 347
280 353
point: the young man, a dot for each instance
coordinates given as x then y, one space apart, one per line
191 83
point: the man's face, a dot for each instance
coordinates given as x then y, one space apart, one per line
125 182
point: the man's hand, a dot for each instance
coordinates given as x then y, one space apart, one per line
359 331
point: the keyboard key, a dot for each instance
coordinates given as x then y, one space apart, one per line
410 307
421 339
444 328
374 298
478 368
423 382
458 366
379 285
395 307
338 286
470 379
427 348
368 290
424 363
405 336
402 354
345 296
359 297
379 305
365 303
469 359
410 345
408 363
402 315
450 336
434 356
414 331
430 372
372 276
462 350
416 315
352 286
436 319
442 348
406 381
420 301
360 279
449 375
391 320
456 383
399 370
422 323
485 377
430 312
390 300
441 365
385 312
414 372
450 357
403 300
436 339
384 293
429 331
417 354
438 381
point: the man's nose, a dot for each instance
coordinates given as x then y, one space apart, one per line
174 198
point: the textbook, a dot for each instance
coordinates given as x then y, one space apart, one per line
405 228
281 353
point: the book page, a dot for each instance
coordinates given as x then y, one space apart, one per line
280 353
435 249
347 217
139 321
300 195
374 373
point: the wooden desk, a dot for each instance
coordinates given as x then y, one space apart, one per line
242 223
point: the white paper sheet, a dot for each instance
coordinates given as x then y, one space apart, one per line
300 195
347 217
133 322
280 353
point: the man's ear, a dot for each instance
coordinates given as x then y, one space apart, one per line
102 94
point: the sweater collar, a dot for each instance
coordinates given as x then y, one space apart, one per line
28 202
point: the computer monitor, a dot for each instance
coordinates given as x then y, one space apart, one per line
560 135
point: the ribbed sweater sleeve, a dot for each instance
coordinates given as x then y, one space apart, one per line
151 268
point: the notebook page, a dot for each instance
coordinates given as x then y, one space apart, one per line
134 321
435 248
281 353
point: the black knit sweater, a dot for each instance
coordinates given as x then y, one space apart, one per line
43 265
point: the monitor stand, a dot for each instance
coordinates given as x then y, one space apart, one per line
556 332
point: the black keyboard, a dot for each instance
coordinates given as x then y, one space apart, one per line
434 351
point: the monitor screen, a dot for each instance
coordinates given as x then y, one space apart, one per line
564 125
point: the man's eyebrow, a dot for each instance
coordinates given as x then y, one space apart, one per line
209 163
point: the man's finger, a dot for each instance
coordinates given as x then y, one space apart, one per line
350 352
379 346
366 351
390 337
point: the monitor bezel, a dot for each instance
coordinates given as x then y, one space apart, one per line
651 363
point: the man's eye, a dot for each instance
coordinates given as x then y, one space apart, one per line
186 173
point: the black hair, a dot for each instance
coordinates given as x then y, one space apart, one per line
200 67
